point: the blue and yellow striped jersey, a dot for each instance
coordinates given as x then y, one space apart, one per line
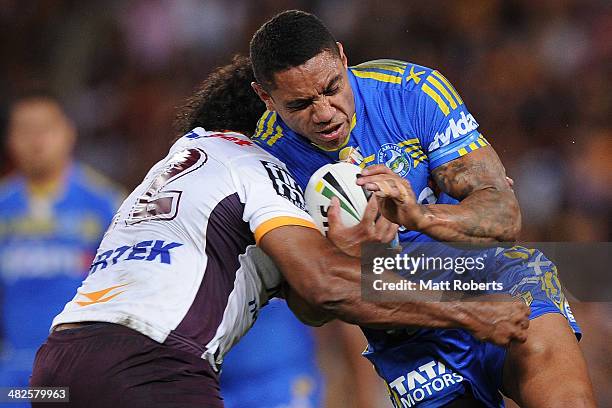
407 116
47 243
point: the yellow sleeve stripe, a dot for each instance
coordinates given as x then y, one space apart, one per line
276 222
442 90
277 135
480 142
378 76
418 154
413 147
384 67
448 84
418 159
408 142
437 99
385 62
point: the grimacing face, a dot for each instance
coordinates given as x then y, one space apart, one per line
314 99
40 137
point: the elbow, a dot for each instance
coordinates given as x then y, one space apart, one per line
513 224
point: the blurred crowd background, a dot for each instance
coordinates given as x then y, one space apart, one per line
536 75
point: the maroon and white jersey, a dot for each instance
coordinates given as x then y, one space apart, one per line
179 263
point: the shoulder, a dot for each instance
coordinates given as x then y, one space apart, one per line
10 187
389 74
95 185
385 76
230 149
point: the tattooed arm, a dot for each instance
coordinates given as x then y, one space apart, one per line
488 210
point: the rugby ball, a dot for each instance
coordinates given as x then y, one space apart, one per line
337 180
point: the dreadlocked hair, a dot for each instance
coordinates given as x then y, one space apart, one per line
223 101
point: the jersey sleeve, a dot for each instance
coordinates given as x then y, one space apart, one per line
271 196
444 126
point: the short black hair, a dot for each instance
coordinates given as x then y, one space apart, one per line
288 40
223 101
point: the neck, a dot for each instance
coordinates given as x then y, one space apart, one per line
46 182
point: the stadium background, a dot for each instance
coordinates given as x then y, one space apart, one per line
536 75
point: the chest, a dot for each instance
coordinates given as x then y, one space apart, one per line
373 142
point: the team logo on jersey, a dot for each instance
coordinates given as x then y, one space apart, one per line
157 203
284 184
395 158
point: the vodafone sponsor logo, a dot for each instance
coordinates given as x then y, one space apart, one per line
422 383
464 125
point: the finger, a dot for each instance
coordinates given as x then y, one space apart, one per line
392 186
374 178
370 213
391 233
376 169
333 214
381 226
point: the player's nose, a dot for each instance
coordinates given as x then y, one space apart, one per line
323 111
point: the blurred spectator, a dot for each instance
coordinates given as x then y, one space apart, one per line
53 212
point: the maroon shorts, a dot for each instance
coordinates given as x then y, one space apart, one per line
111 366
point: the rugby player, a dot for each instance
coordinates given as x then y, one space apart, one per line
178 278
53 212
409 118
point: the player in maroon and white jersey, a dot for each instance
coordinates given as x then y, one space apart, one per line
192 254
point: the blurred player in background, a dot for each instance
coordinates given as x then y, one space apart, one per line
53 212
410 119
274 365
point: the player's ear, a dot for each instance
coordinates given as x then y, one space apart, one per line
263 95
342 55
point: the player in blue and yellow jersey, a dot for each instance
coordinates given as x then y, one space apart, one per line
410 119
53 213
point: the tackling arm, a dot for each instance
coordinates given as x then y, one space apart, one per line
331 281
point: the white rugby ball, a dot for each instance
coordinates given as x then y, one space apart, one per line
337 180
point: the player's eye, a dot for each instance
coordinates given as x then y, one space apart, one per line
331 91
298 106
